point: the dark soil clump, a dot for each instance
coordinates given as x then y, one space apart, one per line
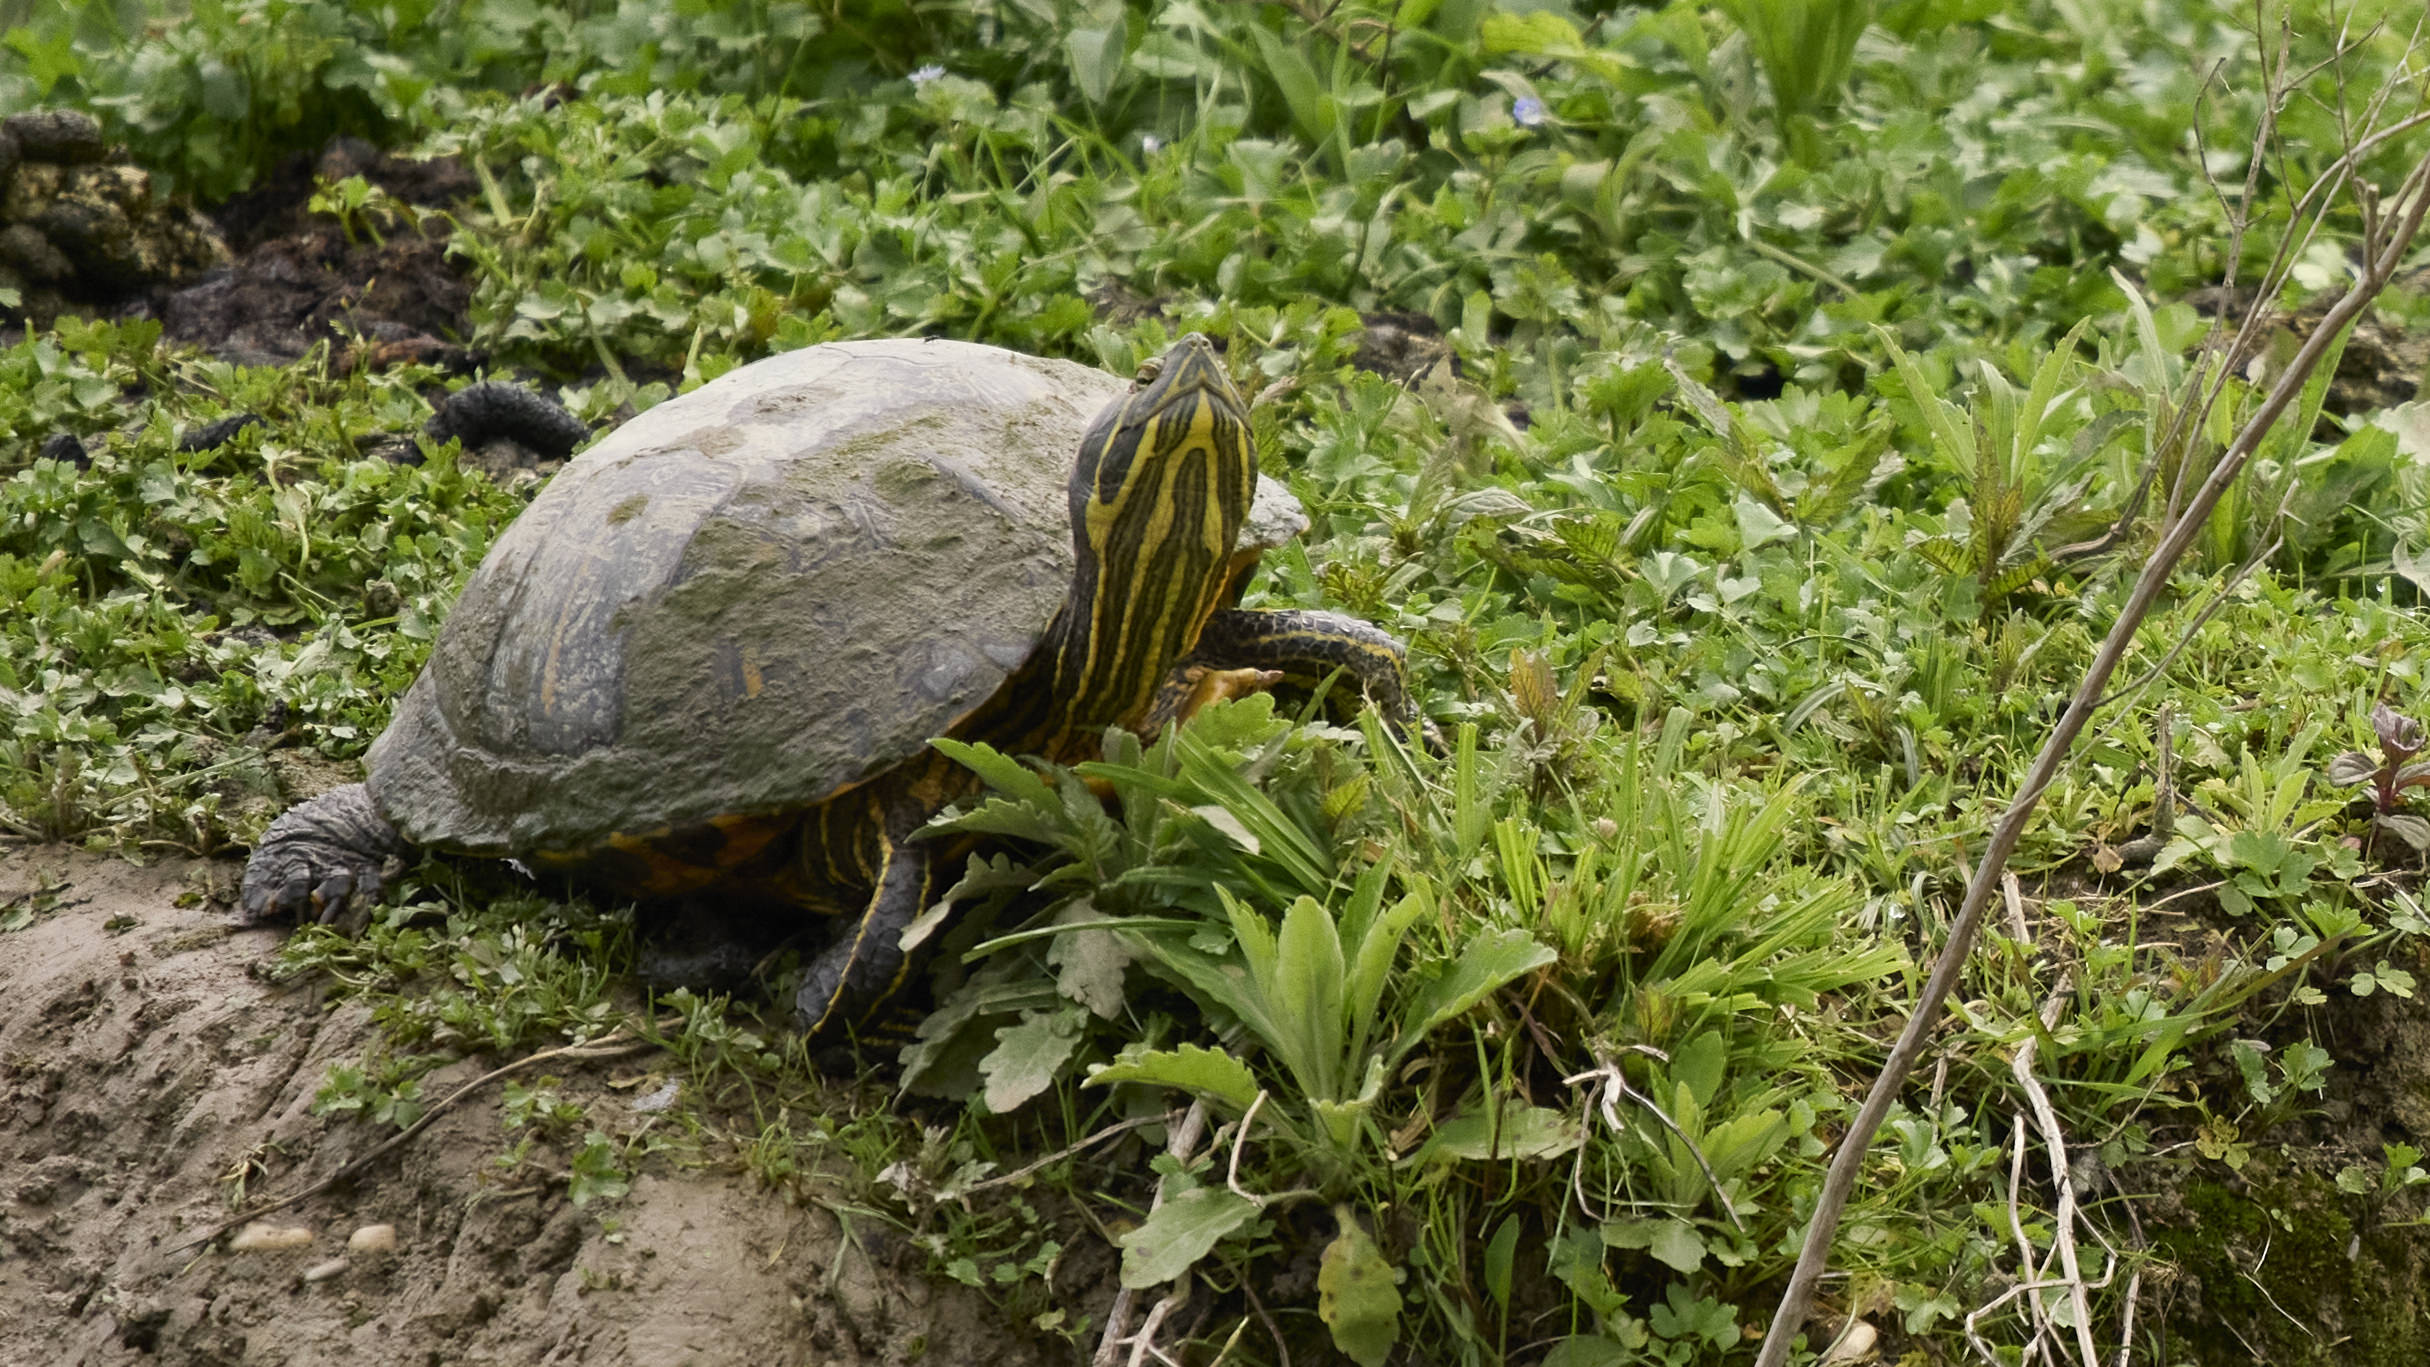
79 232
276 208
1400 346
380 287
2382 365
263 279
2280 1260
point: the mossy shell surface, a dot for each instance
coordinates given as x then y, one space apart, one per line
752 597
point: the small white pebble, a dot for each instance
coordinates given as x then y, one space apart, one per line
260 1238
658 1100
1856 1345
321 1272
373 1239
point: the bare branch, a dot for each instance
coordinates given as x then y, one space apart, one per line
1180 1144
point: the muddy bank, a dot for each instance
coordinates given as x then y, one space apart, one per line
151 1075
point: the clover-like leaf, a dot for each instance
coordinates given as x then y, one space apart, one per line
1670 1239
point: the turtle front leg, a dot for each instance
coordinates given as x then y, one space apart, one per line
853 976
321 861
1303 648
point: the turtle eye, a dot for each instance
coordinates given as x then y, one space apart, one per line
1148 370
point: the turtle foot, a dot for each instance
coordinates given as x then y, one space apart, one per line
323 862
865 964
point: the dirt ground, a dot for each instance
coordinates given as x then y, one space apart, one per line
145 1063
387 293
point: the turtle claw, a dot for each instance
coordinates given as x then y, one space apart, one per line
343 900
330 898
263 900
341 897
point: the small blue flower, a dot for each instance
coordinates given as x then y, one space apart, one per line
926 74
1527 111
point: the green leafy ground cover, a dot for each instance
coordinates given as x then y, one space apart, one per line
1791 351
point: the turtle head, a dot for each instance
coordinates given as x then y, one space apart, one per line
1164 480
1182 422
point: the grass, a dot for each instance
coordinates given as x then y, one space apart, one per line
1733 554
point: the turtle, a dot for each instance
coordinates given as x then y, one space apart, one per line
703 668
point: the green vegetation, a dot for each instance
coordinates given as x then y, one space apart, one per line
1748 527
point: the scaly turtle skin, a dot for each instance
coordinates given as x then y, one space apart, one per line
702 669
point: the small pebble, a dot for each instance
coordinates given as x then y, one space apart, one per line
1856 1345
259 1238
216 435
56 135
321 1272
373 1239
65 446
660 1099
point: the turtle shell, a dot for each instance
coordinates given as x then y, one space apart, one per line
752 597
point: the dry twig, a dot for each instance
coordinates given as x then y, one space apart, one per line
605 1047
2054 1140
2025 1261
2035 1276
1183 1143
1615 1087
2145 848
1026 1170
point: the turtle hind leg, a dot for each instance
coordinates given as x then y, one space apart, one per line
322 862
853 976
704 942
1307 649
